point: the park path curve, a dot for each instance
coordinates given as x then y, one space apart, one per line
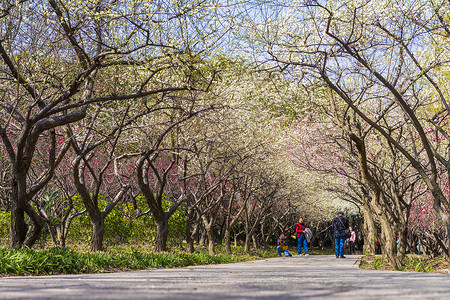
312 277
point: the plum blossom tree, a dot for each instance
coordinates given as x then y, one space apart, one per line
385 60
59 58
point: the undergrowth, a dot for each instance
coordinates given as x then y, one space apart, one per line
412 262
69 261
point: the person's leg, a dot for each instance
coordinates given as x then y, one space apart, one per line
286 253
305 244
341 246
336 247
300 241
279 250
299 246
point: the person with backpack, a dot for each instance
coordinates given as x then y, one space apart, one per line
301 237
340 228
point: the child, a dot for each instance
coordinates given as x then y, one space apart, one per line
282 246
351 241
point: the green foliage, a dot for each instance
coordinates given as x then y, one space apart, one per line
373 263
418 264
121 227
67 261
410 263
5 223
80 230
379 263
177 225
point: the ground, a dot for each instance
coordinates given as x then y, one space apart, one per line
312 277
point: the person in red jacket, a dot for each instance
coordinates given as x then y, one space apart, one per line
301 237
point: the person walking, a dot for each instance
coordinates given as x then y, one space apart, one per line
340 224
282 246
351 241
301 237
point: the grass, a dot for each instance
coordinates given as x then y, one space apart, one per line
77 260
411 263
69 261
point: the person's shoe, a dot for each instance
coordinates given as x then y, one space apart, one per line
306 254
279 255
342 256
300 254
337 256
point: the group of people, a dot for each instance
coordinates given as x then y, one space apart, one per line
302 241
342 233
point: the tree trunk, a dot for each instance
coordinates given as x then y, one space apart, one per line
230 221
162 231
61 235
19 228
61 238
227 239
446 248
210 235
402 242
52 233
369 231
193 237
389 242
38 224
189 239
263 236
98 230
376 203
247 243
202 237
190 246
188 232
220 233
255 241
208 224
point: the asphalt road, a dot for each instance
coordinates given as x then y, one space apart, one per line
313 277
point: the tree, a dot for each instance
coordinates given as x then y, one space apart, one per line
346 50
92 167
54 76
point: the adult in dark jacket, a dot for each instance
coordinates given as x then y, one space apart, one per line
340 223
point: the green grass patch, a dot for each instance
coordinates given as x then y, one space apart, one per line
68 261
411 263
373 263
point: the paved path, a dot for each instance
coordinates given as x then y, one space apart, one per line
313 277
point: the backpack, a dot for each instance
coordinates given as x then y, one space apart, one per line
294 234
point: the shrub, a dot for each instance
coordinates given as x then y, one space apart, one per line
66 261
5 224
